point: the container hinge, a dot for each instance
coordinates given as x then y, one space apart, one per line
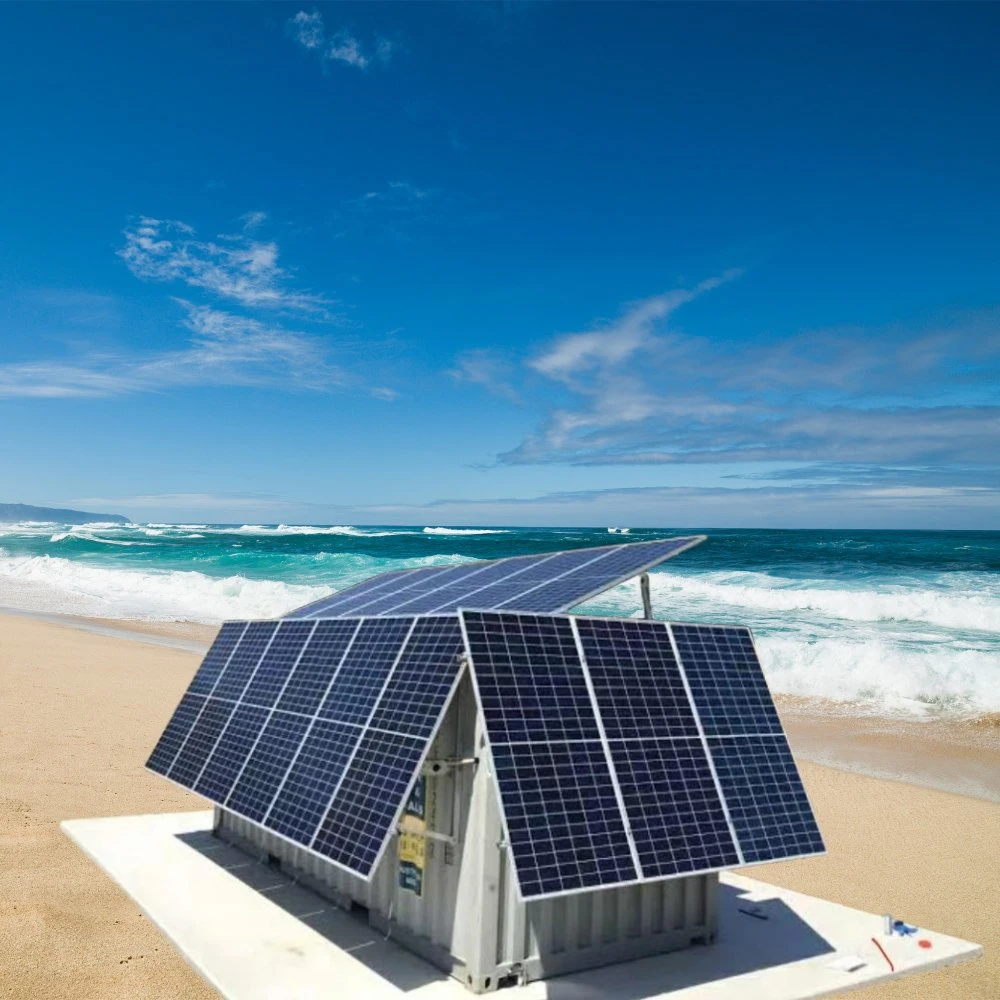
445 764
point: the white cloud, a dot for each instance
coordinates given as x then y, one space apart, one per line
341 46
635 391
224 349
488 369
345 48
399 196
251 220
195 501
616 342
240 268
307 29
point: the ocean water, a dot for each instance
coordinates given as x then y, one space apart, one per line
884 622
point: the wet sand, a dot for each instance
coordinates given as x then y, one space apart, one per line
82 703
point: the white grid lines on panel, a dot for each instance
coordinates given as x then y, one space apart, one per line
180 749
272 710
768 799
607 751
704 743
246 684
368 720
313 719
726 679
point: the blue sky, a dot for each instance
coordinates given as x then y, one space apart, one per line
656 265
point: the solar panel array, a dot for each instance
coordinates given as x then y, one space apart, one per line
624 751
628 751
315 730
550 582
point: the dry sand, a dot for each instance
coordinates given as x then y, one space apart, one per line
79 712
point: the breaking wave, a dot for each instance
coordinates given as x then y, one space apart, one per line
48 583
465 531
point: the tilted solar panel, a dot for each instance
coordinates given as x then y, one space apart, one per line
548 582
671 729
315 730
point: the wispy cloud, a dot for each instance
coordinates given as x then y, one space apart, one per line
195 501
636 391
237 267
399 195
307 29
224 350
393 209
489 369
341 46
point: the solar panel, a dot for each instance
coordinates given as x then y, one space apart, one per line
637 683
305 791
364 670
727 682
768 804
217 657
672 734
360 816
316 729
563 821
673 806
549 582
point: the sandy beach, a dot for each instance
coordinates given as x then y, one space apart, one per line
82 703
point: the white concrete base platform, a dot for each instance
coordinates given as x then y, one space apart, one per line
254 934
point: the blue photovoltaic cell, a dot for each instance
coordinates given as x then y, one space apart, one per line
530 682
563 822
673 807
349 595
423 587
176 732
455 585
415 582
266 766
364 670
191 759
423 678
276 665
244 660
317 666
636 679
569 581
305 793
726 680
216 658
230 752
767 803
361 815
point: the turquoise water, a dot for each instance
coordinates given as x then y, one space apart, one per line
899 622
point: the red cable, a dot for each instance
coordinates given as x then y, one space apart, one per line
892 968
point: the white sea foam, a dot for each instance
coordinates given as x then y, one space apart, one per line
976 607
308 529
464 531
49 583
883 675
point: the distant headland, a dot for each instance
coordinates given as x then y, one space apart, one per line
11 512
